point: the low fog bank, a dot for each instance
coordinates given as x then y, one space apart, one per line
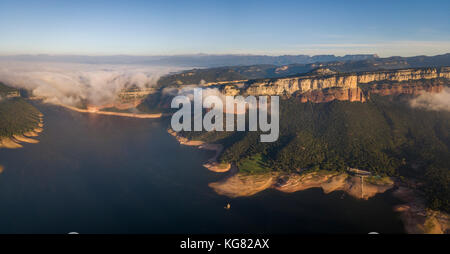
72 83
238 104
433 101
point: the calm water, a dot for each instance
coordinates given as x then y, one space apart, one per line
105 174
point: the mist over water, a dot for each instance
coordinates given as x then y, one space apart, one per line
72 83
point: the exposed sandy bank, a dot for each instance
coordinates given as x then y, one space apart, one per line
9 143
239 185
38 130
183 140
31 133
416 217
212 164
159 115
24 139
217 167
355 186
14 141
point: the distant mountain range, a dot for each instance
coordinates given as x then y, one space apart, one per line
196 60
298 63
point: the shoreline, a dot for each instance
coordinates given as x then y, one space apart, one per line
133 115
212 164
416 217
15 140
242 185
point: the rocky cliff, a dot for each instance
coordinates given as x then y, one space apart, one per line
410 87
323 79
326 95
414 87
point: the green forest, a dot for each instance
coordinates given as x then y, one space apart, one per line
16 115
384 135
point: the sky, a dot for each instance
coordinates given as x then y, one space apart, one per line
91 27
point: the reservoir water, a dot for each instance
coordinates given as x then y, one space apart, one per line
106 174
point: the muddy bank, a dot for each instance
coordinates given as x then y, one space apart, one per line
212 164
239 185
417 218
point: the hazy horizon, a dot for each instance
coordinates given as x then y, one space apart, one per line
441 49
211 54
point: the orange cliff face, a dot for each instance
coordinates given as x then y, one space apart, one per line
323 79
326 95
411 89
324 85
357 94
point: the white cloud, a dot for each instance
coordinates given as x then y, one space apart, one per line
433 101
70 83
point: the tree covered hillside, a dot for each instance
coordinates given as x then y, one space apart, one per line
384 135
16 115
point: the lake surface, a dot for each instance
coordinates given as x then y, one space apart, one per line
107 174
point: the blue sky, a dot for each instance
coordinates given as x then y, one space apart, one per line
241 27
